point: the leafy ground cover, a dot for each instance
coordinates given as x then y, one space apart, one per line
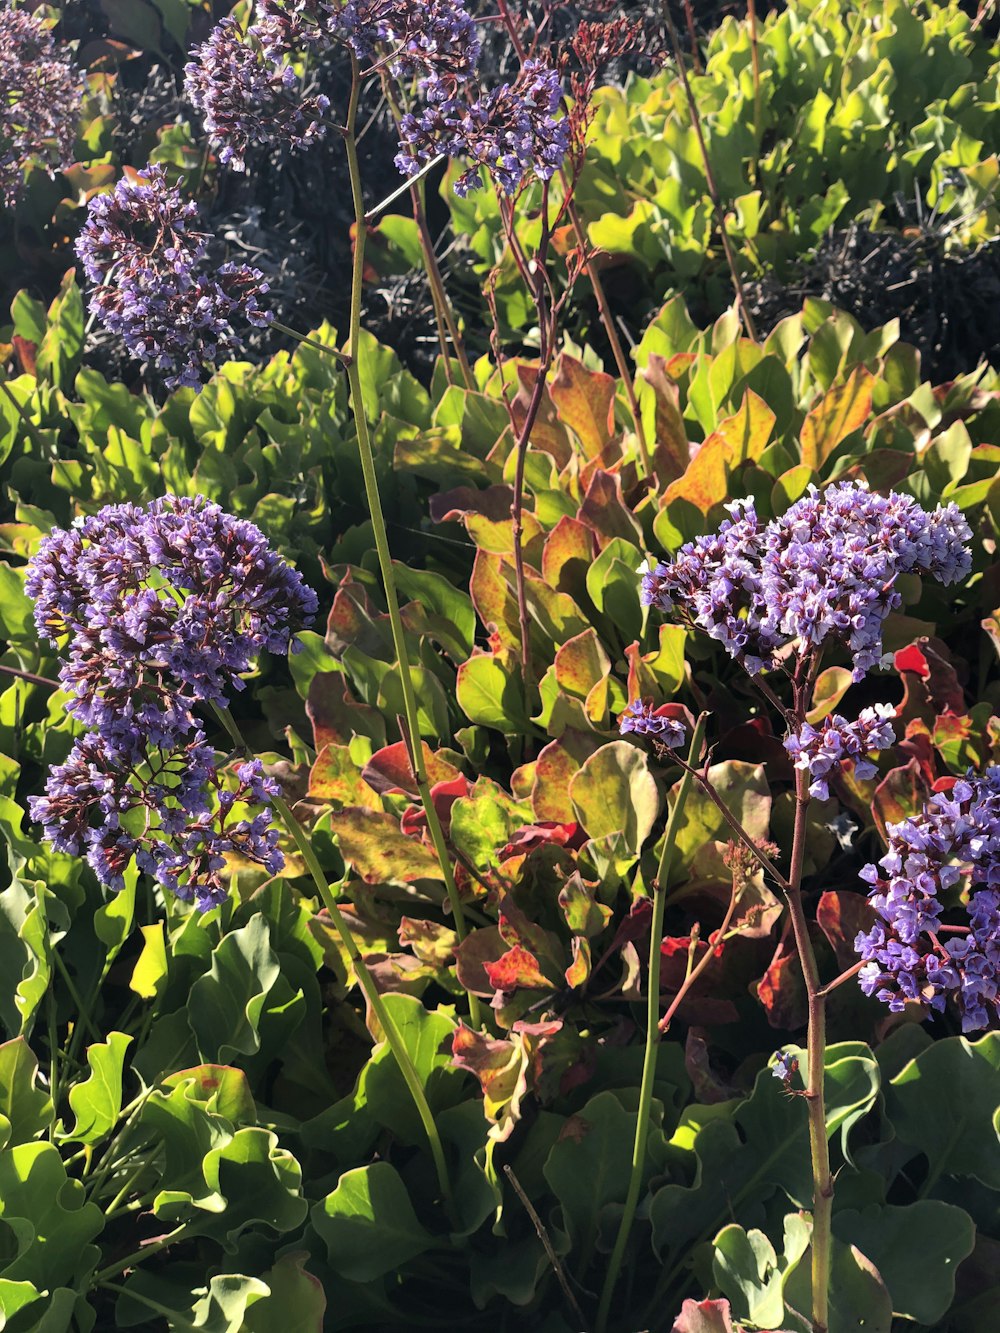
497 1044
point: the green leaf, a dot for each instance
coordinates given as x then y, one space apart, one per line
51 1226
944 1104
489 692
243 993
369 1225
297 1302
427 1037
149 976
859 1301
25 1110
225 1307
917 1250
615 793
97 1101
748 1271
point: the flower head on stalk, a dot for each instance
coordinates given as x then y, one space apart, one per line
944 861
512 131
825 571
642 719
163 607
249 94
40 91
821 750
284 26
419 37
154 284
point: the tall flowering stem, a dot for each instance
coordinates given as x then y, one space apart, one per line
378 525
365 978
653 1032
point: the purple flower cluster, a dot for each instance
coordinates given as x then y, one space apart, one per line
424 37
950 850
248 94
284 26
642 719
154 284
512 130
164 607
826 570
40 92
821 750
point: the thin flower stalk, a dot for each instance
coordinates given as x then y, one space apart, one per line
410 708
653 1034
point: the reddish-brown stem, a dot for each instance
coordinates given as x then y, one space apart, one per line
697 970
720 215
839 981
692 35
29 675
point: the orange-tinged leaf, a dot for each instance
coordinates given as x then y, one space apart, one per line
335 777
842 410
554 767
706 481
379 851
389 769
581 663
585 401
548 433
569 543
517 969
748 433
664 421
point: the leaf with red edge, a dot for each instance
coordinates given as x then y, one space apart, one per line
548 833
605 511
782 991
567 555
379 850
493 599
517 969
831 686
335 777
493 503
548 434
584 914
578 972
555 766
389 769
477 949
661 672
585 401
433 943
704 1317
845 408
900 795
840 915
660 403
336 715
930 682
581 663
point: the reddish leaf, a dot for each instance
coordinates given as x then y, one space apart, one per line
389 769
517 969
493 503
443 797
548 433
782 991
704 1317
546 833
336 715
479 948
26 353
900 795
605 511
840 915
673 452
585 401
581 663
495 604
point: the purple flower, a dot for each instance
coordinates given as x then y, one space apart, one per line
911 954
284 26
642 719
512 130
248 94
422 37
164 607
821 750
176 804
785 1067
826 570
155 287
40 92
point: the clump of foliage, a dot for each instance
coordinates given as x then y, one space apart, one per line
610 938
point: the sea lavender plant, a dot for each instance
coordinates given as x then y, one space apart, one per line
40 91
821 750
825 571
642 719
249 94
155 285
943 863
512 130
420 37
163 607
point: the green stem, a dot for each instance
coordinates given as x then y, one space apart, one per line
32 430
365 978
83 1016
410 709
660 885
140 1256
